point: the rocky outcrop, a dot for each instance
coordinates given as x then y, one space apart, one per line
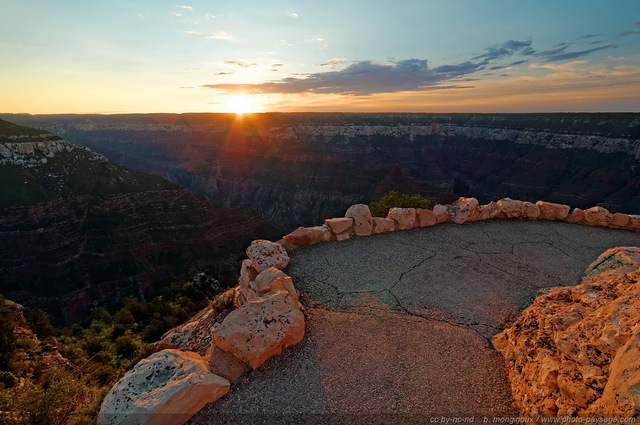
166 388
298 169
573 352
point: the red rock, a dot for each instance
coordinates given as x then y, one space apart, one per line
512 208
464 210
442 213
531 210
620 220
488 211
339 225
264 254
425 218
225 364
551 211
576 216
247 275
286 245
383 225
598 216
265 279
634 222
362 219
261 328
243 295
326 233
404 218
304 236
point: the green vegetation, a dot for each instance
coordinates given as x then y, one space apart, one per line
37 387
400 200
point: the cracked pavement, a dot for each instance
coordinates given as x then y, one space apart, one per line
398 325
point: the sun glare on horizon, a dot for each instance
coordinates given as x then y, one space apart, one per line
240 104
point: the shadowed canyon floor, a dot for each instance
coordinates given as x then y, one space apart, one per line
399 324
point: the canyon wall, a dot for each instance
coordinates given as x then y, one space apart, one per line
296 169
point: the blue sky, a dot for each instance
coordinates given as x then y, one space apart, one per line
428 55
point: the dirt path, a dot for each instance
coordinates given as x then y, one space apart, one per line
399 324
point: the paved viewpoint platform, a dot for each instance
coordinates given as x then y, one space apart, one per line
399 324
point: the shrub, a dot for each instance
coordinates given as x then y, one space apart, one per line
400 200
40 324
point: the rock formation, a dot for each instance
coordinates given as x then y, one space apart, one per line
298 169
574 352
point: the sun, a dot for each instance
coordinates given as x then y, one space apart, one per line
239 103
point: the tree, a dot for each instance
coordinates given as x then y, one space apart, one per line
40 324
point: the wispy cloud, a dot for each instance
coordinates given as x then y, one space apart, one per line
561 53
176 14
193 32
584 37
221 35
225 73
241 64
293 15
191 68
627 33
189 8
333 62
507 48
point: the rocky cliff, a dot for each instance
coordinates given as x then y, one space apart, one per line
77 231
296 169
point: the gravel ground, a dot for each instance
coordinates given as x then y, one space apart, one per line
398 325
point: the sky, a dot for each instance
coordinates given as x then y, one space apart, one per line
124 56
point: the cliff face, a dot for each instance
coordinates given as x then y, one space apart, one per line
77 231
296 169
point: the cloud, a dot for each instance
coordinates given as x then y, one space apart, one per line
363 78
293 15
193 32
221 35
561 54
507 48
626 33
176 14
191 68
209 16
241 64
584 37
225 73
275 65
333 62
189 8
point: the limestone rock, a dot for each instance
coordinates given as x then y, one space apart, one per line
404 218
168 387
464 210
511 207
531 210
576 216
339 225
442 213
288 246
598 216
304 236
568 353
261 328
265 279
425 218
634 222
264 254
281 282
383 225
225 364
489 211
243 295
362 219
327 234
620 220
551 211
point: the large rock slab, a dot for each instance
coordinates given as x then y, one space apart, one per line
264 254
572 344
383 225
442 213
598 216
168 387
425 218
362 219
511 208
304 236
261 329
339 225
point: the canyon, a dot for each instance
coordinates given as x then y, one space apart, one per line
296 169
77 231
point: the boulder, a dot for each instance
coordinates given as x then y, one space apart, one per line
225 364
511 207
598 216
362 219
383 225
531 210
464 210
442 213
634 222
265 279
304 236
620 220
243 295
425 218
339 225
576 216
327 234
168 387
489 211
261 328
288 246
284 283
404 218
551 211
264 254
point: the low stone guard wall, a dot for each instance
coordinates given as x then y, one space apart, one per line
268 316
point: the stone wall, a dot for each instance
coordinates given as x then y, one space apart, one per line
268 317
